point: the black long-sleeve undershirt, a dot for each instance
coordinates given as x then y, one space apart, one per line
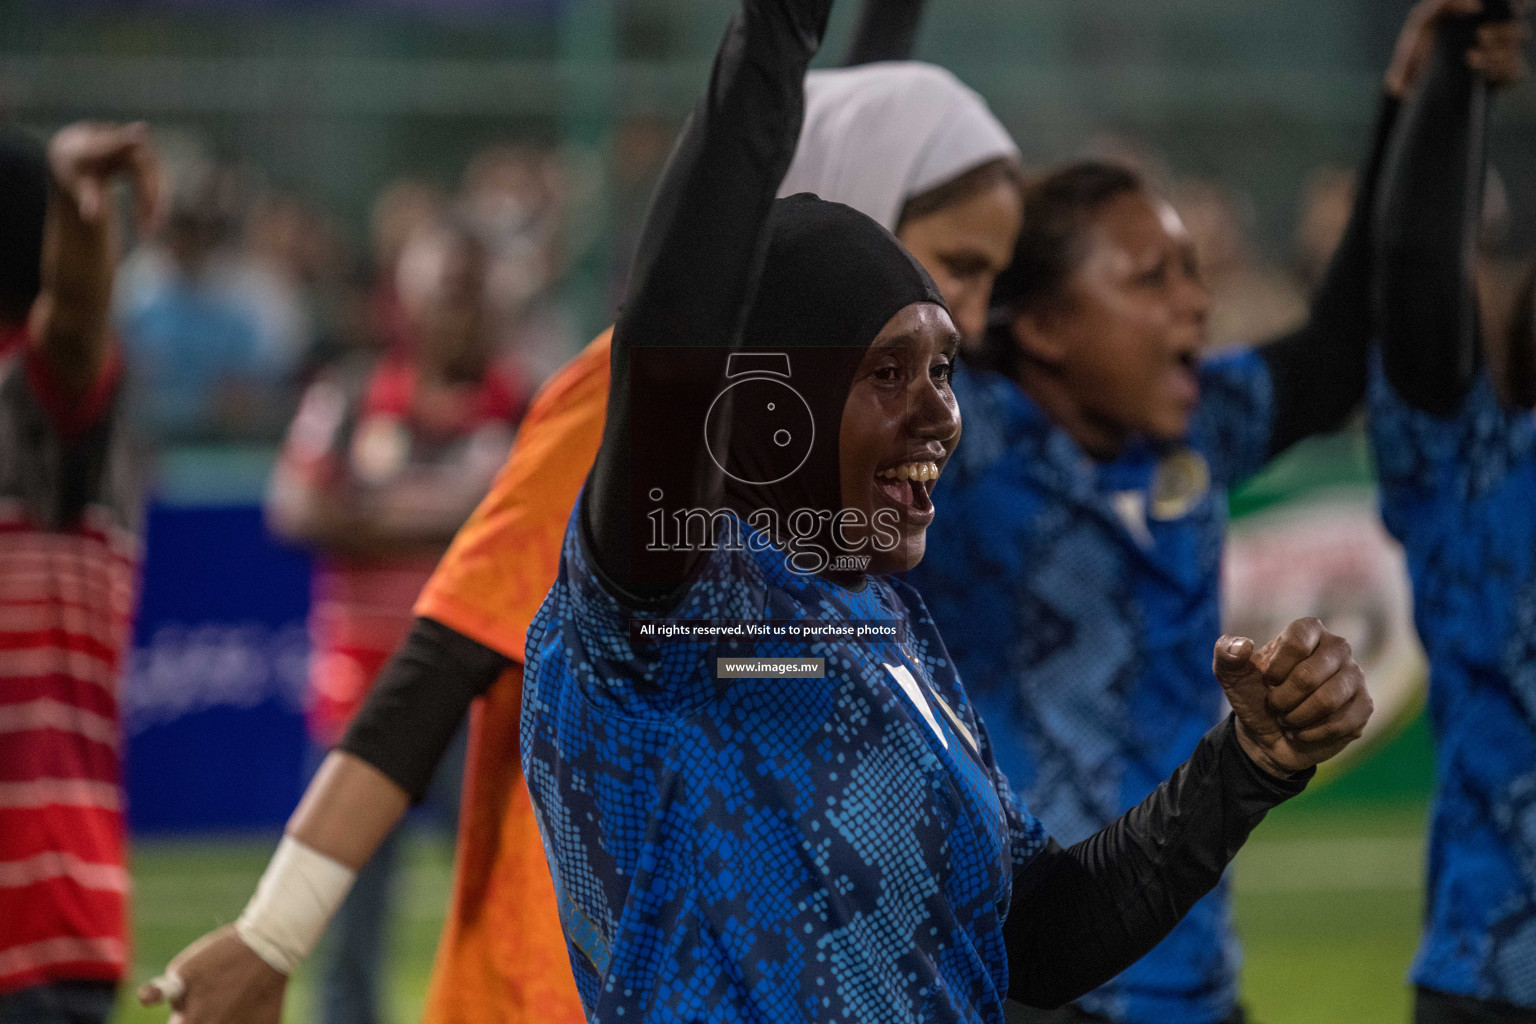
887 30
420 699
1083 914
1427 221
695 273
694 278
699 259
1519 370
1319 370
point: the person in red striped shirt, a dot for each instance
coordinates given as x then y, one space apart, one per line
69 541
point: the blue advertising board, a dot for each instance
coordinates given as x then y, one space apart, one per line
214 688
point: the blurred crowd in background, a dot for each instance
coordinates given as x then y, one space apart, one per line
250 288
307 139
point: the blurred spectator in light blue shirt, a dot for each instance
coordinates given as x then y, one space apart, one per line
198 334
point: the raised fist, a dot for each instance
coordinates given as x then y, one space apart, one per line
1299 700
85 157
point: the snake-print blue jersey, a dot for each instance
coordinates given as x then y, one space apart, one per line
767 849
1460 494
1080 601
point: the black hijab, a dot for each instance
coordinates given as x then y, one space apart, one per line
831 279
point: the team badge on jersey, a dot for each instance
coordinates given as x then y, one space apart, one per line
1182 478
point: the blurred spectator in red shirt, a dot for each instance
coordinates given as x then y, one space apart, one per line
385 460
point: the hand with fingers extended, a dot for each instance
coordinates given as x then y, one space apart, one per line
219 980
1497 51
86 157
1299 700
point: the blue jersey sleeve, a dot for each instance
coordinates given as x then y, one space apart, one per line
1428 463
1233 424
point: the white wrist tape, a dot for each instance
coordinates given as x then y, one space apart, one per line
294 901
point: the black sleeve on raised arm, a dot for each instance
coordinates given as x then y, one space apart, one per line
1426 229
1081 915
886 30
418 702
1519 371
1319 370
696 269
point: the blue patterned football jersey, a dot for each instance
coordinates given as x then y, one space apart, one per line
1460 494
767 849
1080 603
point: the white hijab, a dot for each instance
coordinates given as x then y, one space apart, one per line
879 134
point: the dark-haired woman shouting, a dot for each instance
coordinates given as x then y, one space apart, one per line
764 817
1076 576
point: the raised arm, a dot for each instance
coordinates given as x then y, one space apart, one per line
69 321
695 275
886 30
1319 370
1430 209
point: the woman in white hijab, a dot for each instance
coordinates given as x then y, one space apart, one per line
903 142
911 146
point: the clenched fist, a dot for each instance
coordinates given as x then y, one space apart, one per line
1299 699
1497 51
85 157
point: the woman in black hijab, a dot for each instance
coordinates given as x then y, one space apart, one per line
762 790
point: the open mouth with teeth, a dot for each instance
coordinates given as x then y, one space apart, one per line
1187 365
909 487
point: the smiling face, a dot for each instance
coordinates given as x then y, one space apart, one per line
965 245
900 425
1118 346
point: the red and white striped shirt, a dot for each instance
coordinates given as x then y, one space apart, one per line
69 559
